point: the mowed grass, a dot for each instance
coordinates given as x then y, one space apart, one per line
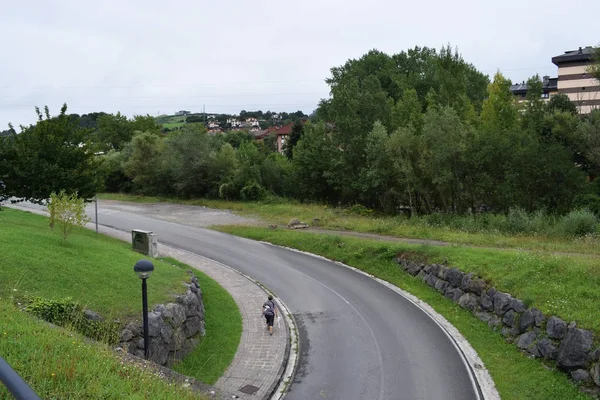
94 270
515 375
336 219
59 364
173 125
223 323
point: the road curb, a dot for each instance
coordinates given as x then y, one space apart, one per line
479 375
286 373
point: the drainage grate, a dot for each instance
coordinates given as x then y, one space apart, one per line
249 389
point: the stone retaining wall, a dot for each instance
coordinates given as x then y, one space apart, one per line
540 336
173 328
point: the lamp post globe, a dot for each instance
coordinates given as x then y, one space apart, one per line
143 269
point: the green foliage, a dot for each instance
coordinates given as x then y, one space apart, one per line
590 201
67 211
578 223
59 364
252 191
47 157
561 102
70 314
295 136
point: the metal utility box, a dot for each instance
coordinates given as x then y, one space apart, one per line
145 242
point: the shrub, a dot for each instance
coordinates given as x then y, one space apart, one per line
577 223
228 191
588 201
517 220
252 191
68 313
359 209
68 211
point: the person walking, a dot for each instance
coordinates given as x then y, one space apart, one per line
269 310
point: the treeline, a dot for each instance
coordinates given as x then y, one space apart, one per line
420 131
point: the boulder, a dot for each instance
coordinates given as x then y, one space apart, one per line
192 306
441 285
501 303
296 224
477 286
174 314
539 317
491 292
595 372
126 335
413 268
431 280
580 375
486 302
158 351
466 281
526 321
166 333
517 305
441 273
574 348
510 318
468 301
92 316
427 269
191 326
454 276
155 322
556 328
547 349
453 293
527 340
178 339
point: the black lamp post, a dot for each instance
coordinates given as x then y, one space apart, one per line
143 269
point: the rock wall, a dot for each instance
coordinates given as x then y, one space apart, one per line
551 338
173 329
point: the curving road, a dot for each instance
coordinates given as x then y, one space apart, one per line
358 339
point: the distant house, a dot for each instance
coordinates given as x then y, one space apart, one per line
283 134
252 123
214 127
575 81
182 113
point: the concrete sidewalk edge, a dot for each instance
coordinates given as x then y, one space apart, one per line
288 368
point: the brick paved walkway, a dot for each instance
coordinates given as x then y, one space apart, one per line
260 358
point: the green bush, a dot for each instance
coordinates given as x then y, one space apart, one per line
70 314
588 201
359 209
252 191
228 191
577 223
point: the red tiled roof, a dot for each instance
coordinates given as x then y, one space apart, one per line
284 130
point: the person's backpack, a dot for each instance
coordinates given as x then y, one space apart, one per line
269 309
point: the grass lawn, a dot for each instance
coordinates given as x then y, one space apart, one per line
336 219
216 350
59 364
94 270
557 285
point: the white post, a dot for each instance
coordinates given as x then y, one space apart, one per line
96 204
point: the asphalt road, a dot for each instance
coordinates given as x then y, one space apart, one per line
358 339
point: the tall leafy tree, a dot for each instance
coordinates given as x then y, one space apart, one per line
295 136
47 157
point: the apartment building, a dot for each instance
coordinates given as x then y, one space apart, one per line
549 89
575 80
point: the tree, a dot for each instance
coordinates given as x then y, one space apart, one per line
67 211
498 111
561 102
47 157
533 116
295 136
311 164
114 132
147 165
375 182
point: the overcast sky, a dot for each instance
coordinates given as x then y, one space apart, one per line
151 57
